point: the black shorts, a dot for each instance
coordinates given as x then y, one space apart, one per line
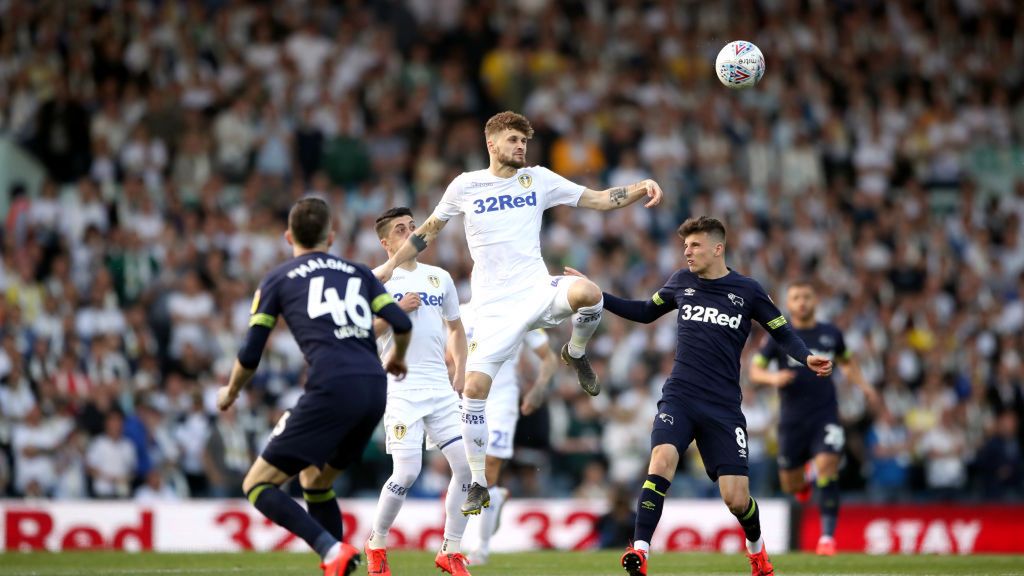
803 439
331 424
720 432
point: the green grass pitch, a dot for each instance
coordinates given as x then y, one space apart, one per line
531 564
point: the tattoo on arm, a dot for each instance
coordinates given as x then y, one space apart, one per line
617 195
419 241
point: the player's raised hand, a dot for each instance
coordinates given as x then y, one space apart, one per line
653 192
574 272
409 302
225 398
396 368
821 365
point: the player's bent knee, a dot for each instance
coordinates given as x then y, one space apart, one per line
316 479
584 293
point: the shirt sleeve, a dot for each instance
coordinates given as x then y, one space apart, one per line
450 308
263 315
645 311
842 352
266 305
764 309
558 190
450 205
379 296
768 315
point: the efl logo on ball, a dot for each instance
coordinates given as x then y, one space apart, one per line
740 64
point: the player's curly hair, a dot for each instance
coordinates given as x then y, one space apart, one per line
384 220
713 226
507 120
310 222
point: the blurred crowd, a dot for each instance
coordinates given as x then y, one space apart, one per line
881 156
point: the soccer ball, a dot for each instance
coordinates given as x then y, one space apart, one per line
740 65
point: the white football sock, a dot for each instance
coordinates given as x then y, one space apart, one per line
454 521
584 324
489 518
474 437
405 469
755 547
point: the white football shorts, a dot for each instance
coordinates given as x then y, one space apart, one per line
412 413
499 326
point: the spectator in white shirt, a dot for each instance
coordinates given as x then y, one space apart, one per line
110 460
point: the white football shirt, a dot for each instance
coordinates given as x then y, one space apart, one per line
503 220
438 302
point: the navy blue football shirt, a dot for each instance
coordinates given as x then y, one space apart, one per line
328 304
807 393
713 325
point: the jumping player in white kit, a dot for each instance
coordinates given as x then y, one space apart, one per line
426 402
503 408
513 292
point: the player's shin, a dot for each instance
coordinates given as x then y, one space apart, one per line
648 511
489 518
750 520
474 436
584 323
454 521
828 504
405 469
322 504
287 513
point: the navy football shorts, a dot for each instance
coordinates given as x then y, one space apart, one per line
720 432
803 439
331 424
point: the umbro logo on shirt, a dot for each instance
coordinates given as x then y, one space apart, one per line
689 292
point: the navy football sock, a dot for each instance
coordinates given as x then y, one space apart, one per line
750 519
285 512
828 504
323 507
649 507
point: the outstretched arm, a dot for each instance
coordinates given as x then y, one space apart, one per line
417 242
621 196
644 311
795 347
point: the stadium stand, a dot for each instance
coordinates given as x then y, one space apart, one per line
881 155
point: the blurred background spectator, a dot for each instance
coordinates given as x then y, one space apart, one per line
881 155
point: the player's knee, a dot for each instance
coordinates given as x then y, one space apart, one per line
584 293
250 481
476 389
737 500
664 460
405 473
